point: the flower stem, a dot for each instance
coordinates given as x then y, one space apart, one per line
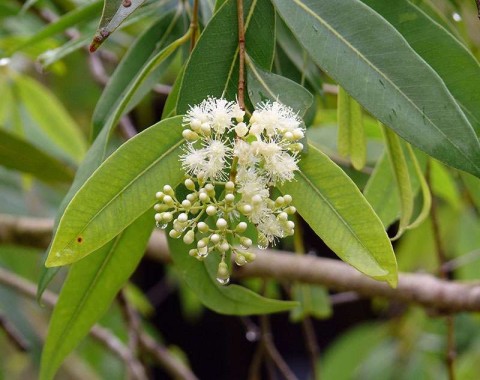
194 25
241 55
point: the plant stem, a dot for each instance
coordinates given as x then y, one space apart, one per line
241 55
450 353
194 25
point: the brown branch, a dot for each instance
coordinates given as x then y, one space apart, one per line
131 320
194 25
241 55
100 334
12 334
172 366
418 288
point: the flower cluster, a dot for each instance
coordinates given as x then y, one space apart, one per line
231 166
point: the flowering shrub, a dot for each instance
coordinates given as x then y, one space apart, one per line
231 166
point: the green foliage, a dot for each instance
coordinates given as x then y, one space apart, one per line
340 65
344 219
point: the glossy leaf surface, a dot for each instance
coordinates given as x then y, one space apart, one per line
410 98
332 205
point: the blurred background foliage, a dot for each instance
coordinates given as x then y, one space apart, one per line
47 77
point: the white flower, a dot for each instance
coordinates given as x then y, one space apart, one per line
270 228
209 161
281 167
243 151
211 114
273 118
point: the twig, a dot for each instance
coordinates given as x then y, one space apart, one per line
103 336
12 334
312 346
271 349
478 8
241 55
172 366
255 364
450 352
194 25
132 321
419 288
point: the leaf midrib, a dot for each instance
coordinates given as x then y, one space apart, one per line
121 191
357 238
88 291
395 87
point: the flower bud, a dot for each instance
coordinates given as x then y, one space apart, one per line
241 227
189 237
229 186
211 210
189 184
159 195
202 227
182 218
174 234
221 224
167 189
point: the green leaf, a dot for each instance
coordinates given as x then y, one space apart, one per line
314 302
18 154
473 187
409 97
51 117
422 32
231 299
119 191
212 69
382 193
263 85
351 134
52 56
402 179
150 43
89 290
328 200
114 13
63 23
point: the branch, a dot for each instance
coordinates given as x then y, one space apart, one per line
100 334
421 289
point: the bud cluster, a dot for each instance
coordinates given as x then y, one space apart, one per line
231 166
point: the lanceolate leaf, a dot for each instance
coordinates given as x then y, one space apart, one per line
212 69
120 190
351 134
328 200
18 154
114 13
50 117
422 33
89 290
231 299
263 85
409 97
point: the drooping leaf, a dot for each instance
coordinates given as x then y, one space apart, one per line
263 85
328 200
473 187
382 193
212 69
402 179
351 134
89 290
150 43
50 116
231 299
18 154
422 32
119 191
409 97
114 13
